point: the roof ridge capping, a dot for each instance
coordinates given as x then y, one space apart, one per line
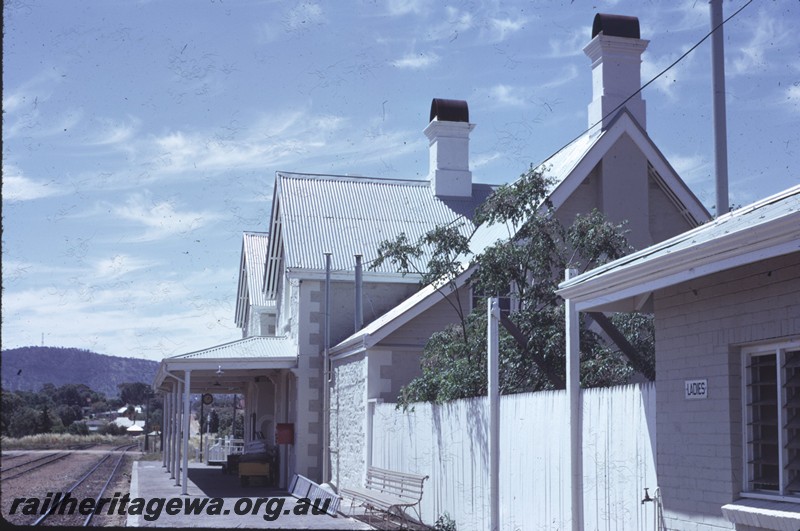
353 178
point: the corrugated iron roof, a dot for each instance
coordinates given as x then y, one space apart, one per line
252 347
255 253
352 215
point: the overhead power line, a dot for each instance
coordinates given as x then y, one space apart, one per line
667 69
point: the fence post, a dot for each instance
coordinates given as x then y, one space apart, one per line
494 412
574 398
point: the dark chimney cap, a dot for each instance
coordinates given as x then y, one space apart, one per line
616 26
449 110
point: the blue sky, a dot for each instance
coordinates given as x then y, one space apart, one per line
140 138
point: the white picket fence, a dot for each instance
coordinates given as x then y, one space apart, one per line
449 443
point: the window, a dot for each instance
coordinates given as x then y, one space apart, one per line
771 388
268 324
508 303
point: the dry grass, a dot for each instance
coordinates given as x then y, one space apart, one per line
47 441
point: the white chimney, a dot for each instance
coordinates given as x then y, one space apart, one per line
616 54
448 134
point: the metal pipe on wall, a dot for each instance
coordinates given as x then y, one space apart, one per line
359 309
326 435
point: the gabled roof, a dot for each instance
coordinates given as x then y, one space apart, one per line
765 229
570 167
251 274
346 215
567 169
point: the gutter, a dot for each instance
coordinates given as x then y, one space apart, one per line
777 237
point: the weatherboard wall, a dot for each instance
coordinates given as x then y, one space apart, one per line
701 327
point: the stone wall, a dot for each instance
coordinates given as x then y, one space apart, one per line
348 422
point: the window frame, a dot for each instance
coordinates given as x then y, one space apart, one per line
777 349
513 301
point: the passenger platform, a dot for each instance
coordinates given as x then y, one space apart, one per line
150 480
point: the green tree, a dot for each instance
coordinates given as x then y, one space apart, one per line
525 270
134 393
78 428
68 414
45 423
11 403
213 421
24 421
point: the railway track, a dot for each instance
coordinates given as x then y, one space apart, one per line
92 483
53 489
21 469
17 470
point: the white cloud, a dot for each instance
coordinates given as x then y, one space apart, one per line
161 219
456 23
499 29
275 140
120 265
793 96
112 132
766 34
482 160
560 78
405 7
17 187
32 93
416 61
298 20
570 43
507 96
669 84
271 140
145 317
12 102
304 16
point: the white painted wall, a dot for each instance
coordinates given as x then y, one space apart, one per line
449 443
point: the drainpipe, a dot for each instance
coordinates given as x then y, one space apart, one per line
494 412
326 375
718 94
359 312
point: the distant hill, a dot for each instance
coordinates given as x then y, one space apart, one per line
29 368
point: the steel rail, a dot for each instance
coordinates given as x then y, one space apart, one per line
107 483
83 478
52 459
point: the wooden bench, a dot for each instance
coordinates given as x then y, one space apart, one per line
388 491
